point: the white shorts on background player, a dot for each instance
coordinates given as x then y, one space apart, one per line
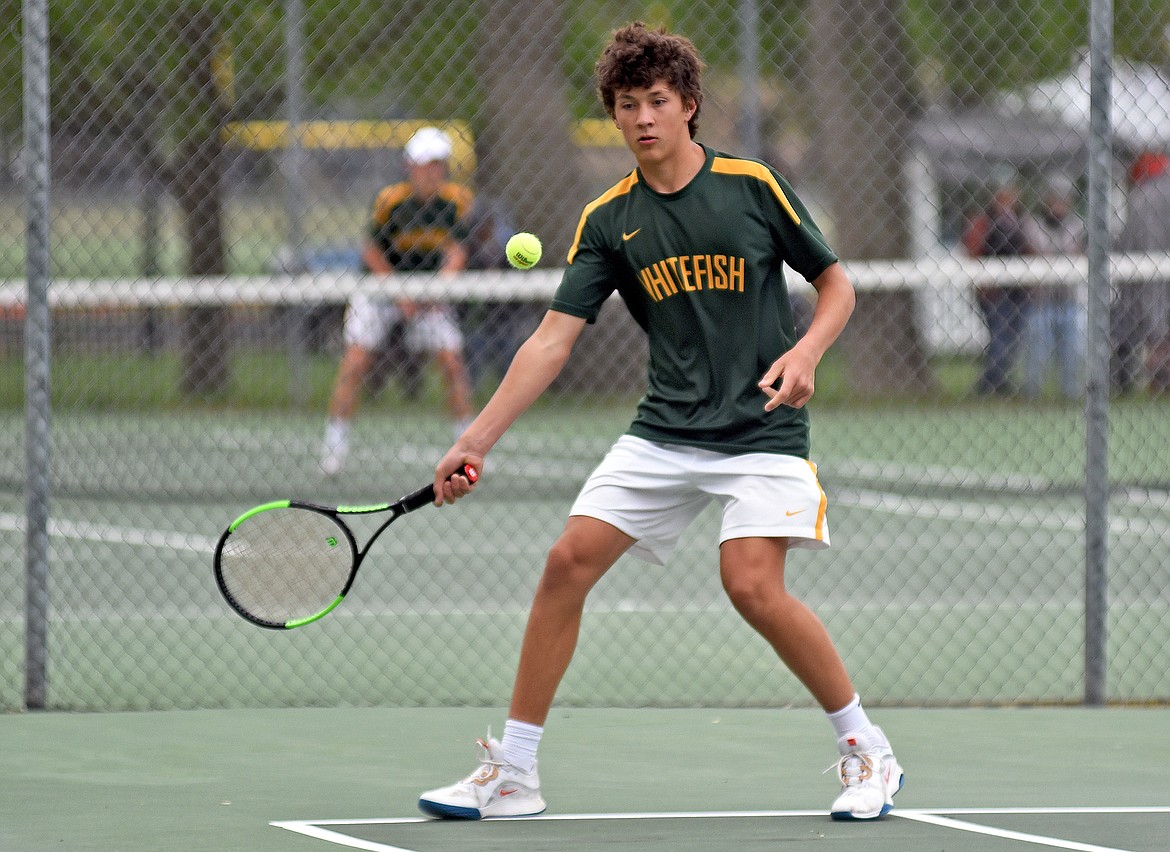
368 319
652 492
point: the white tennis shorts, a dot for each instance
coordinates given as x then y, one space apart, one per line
653 491
367 319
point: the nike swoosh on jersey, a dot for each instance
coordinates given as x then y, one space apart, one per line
790 514
630 235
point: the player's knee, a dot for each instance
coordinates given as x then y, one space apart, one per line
451 363
569 568
749 590
354 363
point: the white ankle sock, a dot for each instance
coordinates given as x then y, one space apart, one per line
520 743
336 435
852 720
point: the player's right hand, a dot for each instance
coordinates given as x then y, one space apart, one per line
449 487
796 374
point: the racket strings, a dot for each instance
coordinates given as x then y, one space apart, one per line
286 564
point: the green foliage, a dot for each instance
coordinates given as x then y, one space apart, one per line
10 64
979 48
417 57
1141 30
403 57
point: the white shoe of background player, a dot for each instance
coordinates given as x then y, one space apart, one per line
332 463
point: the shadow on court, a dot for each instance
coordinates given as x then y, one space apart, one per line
650 779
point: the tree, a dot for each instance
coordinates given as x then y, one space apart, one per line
142 70
523 136
198 188
528 159
862 94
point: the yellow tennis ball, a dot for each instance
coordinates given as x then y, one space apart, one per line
523 250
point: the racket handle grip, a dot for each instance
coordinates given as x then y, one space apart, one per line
427 495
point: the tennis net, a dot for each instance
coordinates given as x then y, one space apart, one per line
899 389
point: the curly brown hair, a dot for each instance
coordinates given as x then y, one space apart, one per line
637 57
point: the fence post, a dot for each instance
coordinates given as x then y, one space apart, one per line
749 74
1097 366
293 165
36 337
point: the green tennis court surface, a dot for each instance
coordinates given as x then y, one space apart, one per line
979 830
993 779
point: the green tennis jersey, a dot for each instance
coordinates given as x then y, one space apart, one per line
411 232
701 270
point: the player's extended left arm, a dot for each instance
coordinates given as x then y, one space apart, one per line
796 368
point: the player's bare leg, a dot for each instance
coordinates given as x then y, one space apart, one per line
579 558
752 570
355 363
343 404
753 576
457 384
505 785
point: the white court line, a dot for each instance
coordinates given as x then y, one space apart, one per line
365 612
316 829
108 533
938 475
876 501
310 828
935 818
953 510
1118 809
321 829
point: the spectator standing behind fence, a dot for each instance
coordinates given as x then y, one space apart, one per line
999 230
416 225
1056 318
1141 312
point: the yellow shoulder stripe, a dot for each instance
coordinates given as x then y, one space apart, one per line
726 166
617 190
388 199
458 195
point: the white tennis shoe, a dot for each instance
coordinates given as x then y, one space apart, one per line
331 463
335 448
496 789
870 778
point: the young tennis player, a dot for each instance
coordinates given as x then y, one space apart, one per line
693 240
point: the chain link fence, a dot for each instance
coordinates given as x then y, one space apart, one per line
213 170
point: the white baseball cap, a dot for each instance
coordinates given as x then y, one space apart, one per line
427 145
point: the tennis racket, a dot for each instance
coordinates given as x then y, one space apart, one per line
288 563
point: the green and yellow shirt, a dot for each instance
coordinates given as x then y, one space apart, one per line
701 270
411 232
